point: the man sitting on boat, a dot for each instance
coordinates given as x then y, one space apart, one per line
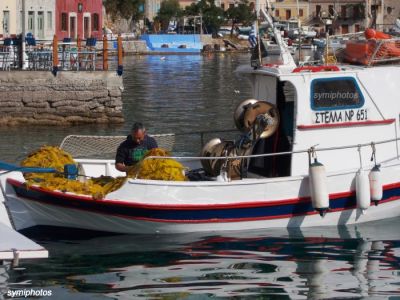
134 147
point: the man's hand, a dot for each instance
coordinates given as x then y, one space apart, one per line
121 167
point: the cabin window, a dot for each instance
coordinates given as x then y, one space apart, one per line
335 93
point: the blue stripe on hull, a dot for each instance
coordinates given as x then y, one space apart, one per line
277 211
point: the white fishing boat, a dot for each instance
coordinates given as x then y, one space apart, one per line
319 146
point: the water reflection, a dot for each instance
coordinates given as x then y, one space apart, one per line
4 269
344 262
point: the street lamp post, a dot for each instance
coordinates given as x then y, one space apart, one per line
24 64
327 20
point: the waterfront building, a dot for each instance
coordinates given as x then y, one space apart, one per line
81 18
226 4
386 14
338 17
347 16
8 17
290 9
36 17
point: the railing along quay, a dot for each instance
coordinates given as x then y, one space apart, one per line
55 56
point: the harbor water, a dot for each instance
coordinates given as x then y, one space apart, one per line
178 94
185 95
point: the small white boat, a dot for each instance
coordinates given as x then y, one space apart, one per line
310 134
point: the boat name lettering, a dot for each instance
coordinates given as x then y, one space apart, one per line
337 116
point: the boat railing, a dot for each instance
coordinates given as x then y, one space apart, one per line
310 151
88 146
105 146
347 35
203 133
365 52
385 51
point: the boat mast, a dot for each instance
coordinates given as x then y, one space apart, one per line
287 59
367 15
257 32
299 25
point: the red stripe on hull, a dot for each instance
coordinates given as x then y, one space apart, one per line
345 124
179 206
225 220
206 207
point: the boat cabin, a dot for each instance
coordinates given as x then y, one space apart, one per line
325 108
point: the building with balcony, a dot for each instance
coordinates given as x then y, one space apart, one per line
347 16
337 17
81 18
8 17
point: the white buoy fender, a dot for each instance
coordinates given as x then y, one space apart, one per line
375 182
318 187
363 192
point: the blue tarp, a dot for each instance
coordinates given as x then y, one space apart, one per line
179 43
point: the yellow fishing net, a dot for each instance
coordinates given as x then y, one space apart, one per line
47 157
158 168
54 157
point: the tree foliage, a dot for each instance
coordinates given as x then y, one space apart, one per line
126 9
213 16
169 9
242 13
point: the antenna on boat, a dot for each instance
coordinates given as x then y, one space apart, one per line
257 32
299 25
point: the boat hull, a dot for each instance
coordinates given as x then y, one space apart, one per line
35 206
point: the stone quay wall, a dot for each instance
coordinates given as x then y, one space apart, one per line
36 97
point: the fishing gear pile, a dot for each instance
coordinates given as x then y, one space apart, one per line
54 157
158 168
98 187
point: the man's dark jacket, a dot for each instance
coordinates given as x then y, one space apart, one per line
129 152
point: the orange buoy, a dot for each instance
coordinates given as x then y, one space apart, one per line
373 34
